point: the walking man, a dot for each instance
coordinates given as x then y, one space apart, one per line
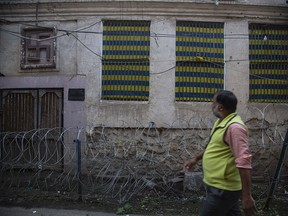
226 162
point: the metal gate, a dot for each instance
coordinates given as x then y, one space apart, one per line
31 124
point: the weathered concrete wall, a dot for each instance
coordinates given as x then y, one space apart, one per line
161 152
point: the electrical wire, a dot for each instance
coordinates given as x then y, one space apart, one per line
80 30
86 46
33 39
156 35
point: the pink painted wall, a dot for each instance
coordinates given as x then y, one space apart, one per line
74 112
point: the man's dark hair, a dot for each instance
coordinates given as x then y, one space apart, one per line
227 99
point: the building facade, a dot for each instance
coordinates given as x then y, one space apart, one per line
132 64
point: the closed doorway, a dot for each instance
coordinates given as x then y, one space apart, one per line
31 127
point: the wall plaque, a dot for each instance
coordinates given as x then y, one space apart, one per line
77 94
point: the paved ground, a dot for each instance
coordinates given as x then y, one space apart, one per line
17 211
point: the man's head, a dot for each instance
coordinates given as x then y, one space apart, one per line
224 103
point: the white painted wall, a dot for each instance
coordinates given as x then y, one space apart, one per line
236 59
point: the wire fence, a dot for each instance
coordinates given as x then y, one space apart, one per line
116 163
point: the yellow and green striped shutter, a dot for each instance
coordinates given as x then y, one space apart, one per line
268 62
199 60
125 60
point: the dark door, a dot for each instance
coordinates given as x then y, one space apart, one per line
31 127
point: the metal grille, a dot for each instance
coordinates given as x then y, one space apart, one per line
125 63
200 60
268 55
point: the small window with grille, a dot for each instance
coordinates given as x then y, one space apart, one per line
38 48
199 60
125 60
268 62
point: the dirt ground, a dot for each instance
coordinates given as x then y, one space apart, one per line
146 205
177 204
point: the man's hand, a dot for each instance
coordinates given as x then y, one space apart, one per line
189 164
248 205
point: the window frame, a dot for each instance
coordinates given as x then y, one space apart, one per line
49 45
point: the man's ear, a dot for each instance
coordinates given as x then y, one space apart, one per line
220 108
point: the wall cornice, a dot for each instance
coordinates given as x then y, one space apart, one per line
63 10
241 2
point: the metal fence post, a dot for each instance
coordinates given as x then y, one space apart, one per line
278 171
78 153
